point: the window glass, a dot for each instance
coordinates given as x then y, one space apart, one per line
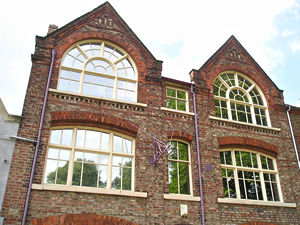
238 98
96 162
93 73
176 99
249 176
179 168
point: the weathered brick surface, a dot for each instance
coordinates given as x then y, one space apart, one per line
58 207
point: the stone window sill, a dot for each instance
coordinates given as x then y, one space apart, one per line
182 197
54 187
256 202
176 111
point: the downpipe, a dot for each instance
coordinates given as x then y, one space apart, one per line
38 140
198 155
293 137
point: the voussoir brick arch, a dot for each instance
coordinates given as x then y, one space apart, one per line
180 135
248 143
90 119
81 219
74 38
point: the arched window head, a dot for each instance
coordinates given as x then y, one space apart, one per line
239 98
99 68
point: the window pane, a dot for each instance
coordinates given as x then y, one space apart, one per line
270 164
117 160
181 105
50 173
275 192
269 191
80 138
77 173
184 178
259 191
62 172
251 190
225 188
183 151
67 137
53 153
116 178
232 192
173 177
118 144
64 154
228 160
172 151
127 147
171 104
92 139
254 160
103 159
104 141
89 175
91 157
126 179
102 177
242 189
246 160
171 92
222 157
263 162
238 158
55 137
181 94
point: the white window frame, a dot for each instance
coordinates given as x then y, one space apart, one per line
250 104
72 148
115 77
189 168
259 170
177 99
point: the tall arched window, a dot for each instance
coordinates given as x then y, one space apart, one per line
239 98
99 68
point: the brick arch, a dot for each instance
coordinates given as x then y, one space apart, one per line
90 119
81 219
248 143
180 135
68 41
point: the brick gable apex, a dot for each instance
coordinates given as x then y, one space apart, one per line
103 18
233 51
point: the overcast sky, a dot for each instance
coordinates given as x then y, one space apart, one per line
183 34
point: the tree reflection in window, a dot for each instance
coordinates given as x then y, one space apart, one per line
179 168
249 175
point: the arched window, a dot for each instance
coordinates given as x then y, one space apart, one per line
239 98
179 168
249 175
90 158
99 68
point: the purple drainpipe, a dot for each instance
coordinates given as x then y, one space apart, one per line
198 156
38 140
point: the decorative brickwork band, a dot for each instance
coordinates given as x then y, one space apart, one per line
101 120
180 135
248 143
81 219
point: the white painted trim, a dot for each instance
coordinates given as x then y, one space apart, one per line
256 202
56 187
177 111
246 124
95 97
182 197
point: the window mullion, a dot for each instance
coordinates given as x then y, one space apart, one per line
263 187
236 80
236 179
71 159
109 169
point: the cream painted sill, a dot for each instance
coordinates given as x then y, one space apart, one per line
256 202
53 187
177 111
95 97
246 124
182 197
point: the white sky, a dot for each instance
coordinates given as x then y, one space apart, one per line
183 34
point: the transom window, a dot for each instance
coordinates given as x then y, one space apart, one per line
179 168
99 68
240 99
249 175
90 158
177 99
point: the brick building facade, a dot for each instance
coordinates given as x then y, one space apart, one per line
108 105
